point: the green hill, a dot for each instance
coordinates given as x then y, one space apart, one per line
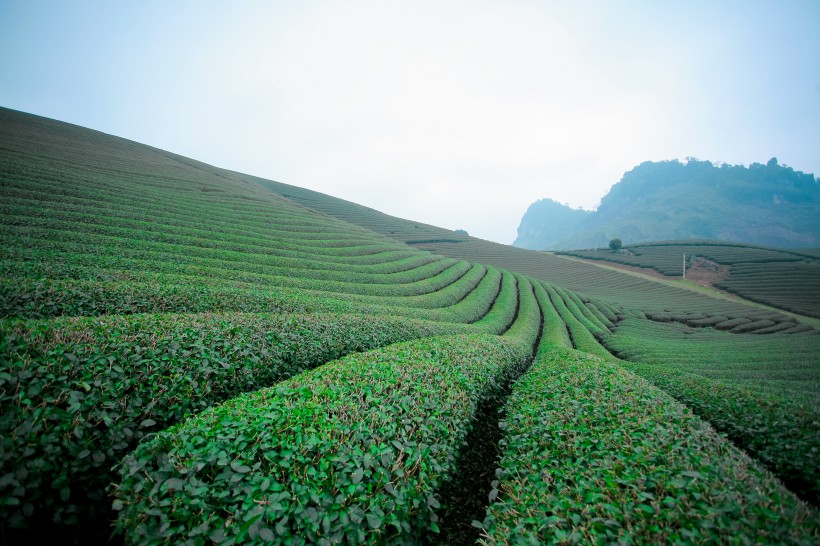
769 205
193 355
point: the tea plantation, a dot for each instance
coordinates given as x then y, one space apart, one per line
787 279
190 355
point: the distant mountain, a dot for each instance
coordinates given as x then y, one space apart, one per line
548 218
770 205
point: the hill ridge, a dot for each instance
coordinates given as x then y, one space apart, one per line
768 205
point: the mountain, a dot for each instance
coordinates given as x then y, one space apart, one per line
551 218
771 205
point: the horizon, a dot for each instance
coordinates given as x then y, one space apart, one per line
459 115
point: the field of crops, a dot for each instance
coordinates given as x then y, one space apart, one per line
190 355
786 279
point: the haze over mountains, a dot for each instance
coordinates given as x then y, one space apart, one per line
770 205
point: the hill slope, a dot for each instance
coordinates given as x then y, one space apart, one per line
769 205
199 358
780 278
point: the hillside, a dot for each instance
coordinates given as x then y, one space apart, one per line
769 205
788 280
194 355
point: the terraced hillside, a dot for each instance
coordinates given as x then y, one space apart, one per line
786 279
615 287
190 355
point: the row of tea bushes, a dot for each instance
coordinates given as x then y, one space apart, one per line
76 394
351 452
764 401
592 454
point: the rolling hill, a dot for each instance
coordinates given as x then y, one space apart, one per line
191 355
767 205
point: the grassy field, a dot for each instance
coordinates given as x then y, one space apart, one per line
190 355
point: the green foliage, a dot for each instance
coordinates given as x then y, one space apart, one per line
770 205
139 290
780 278
503 313
78 394
351 452
732 381
553 332
615 245
580 335
594 455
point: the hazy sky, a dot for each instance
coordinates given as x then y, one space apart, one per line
458 114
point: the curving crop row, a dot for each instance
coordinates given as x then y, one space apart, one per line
505 308
580 336
779 432
595 455
791 286
362 250
104 293
554 331
100 244
36 208
42 298
527 325
579 310
334 245
719 354
352 452
618 288
77 394
764 400
38 211
84 251
43 263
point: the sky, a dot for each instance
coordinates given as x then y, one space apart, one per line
453 113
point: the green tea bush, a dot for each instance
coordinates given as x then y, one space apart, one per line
581 338
505 307
761 391
528 321
781 433
554 331
77 394
106 295
351 452
592 454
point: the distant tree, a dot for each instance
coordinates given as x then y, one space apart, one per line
462 231
615 245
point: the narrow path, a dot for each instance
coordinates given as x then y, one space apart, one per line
465 498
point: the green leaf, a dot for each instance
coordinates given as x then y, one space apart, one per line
358 474
374 521
240 468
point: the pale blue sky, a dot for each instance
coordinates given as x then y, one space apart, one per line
455 113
